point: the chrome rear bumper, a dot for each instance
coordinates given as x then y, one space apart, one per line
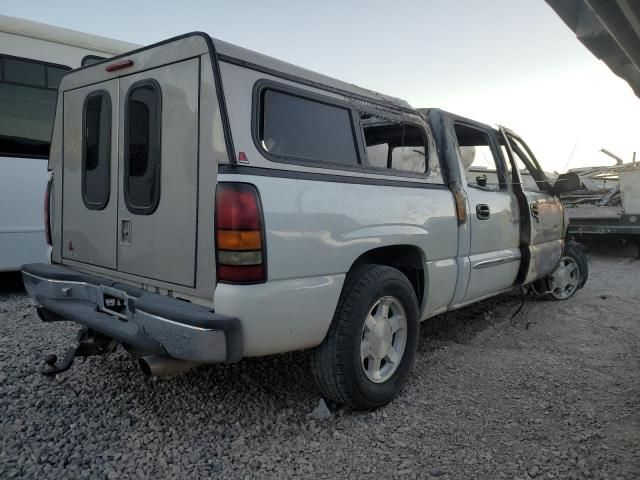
147 321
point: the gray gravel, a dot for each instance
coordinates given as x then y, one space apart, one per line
552 394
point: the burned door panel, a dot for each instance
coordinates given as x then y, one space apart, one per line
90 166
159 173
542 233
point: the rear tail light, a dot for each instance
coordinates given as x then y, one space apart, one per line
239 234
47 212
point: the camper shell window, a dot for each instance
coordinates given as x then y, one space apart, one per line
142 147
298 126
28 94
96 150
394 145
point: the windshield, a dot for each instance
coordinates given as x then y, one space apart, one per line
28 93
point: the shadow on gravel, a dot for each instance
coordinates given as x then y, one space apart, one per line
11 282
282 382
461 326
611 247
274 384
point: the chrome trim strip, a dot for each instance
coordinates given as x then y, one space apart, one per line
495 261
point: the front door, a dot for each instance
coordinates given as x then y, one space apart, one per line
494 254
543 214
158 173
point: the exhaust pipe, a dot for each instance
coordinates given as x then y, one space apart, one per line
158 366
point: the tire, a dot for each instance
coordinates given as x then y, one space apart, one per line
572 256
340 372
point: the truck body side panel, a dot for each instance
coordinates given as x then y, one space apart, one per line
316 230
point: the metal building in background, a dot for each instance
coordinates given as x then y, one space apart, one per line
610 29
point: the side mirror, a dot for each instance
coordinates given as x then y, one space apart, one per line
481 180
567 182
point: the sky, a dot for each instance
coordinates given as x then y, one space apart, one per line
508 62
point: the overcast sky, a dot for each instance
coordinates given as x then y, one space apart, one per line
512 62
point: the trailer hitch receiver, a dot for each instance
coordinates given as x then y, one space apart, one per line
88 343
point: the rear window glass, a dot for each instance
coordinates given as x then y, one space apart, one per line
394 145
28 94
96 150
142 147
297 127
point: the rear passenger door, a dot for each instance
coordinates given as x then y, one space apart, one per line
494 253
158 173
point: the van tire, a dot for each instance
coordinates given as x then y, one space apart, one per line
336 363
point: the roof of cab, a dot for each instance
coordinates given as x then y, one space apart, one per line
235 54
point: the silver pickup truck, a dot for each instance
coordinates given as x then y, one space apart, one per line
208 203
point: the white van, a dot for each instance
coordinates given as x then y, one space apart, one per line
210 203
33 59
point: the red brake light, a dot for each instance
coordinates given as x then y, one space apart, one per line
237 207
244 274
47 217
118 65
239 234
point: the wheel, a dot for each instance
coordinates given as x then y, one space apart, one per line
570 275
367 355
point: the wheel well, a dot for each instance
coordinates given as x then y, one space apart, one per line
406 258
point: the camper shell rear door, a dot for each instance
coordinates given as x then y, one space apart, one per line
137 201
158 173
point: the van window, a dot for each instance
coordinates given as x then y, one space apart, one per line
28 93
96 150
394 145
142 147
297 127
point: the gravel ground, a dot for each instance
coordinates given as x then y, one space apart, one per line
553 393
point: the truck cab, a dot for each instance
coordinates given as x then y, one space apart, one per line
515 226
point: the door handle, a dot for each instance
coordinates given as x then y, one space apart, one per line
125 232
482 211
535 211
